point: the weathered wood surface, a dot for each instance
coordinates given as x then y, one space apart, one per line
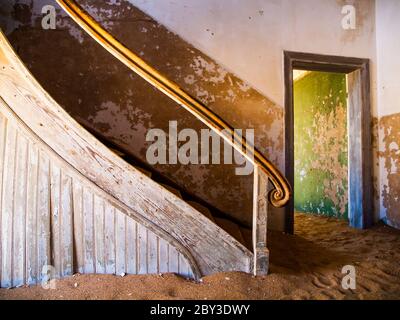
77 187
360 160
260 211
52 216
355 156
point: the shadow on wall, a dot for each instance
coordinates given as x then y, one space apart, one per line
103 94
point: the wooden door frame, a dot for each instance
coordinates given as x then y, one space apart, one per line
359 130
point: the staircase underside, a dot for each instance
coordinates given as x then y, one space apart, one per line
69 202
236 229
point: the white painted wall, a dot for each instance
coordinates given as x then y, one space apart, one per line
388 53
248 37
388 91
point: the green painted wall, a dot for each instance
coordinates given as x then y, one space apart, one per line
321 146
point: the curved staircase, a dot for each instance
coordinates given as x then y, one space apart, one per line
235 228
71 203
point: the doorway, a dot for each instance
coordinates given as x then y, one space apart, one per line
320 143
351 74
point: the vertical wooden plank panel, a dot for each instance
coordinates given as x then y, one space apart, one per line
55 193
43 208
78 232
8 207
120 241
88 233
3 128
183 266
130 246
109 239
99 235
190 273
31 215
43 214
152 253
142 249
66 221
164 256
20 197
173 260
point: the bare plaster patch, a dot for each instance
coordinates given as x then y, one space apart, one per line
329 128
389 127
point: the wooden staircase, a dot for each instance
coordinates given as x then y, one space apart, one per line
236 229
70 203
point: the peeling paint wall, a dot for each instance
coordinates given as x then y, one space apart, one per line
226 53
388 121
100 92
321 144
389 158
249 37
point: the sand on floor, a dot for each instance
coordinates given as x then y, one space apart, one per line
307 265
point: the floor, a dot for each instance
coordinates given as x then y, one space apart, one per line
304 266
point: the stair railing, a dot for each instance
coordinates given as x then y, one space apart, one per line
264 170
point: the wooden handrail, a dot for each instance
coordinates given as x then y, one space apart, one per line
281 192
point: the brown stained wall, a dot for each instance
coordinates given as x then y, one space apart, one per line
102 93
389 128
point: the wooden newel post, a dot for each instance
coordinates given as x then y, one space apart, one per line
260 210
